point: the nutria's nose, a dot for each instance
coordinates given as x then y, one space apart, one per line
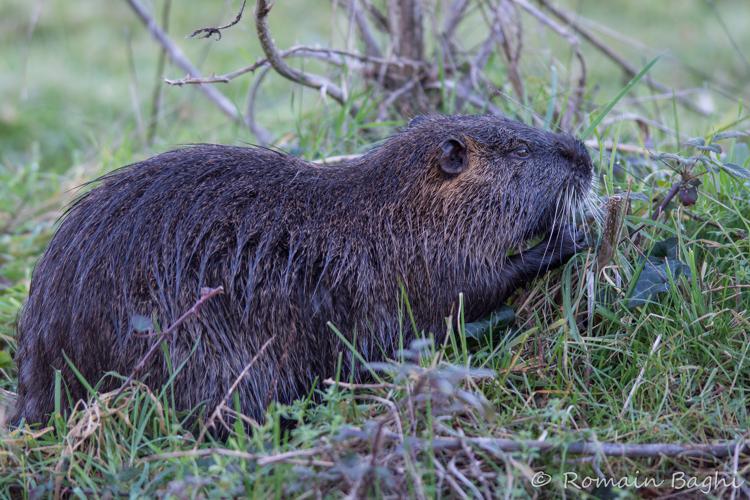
575 152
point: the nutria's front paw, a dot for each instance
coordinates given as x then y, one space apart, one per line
566 241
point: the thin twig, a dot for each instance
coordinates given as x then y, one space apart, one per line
206 294
453 17
179 58
380 21
208 32
638 119
243 455
463 479
624 148
227 77
576 97
735 466
465 94
450 480
671 194
581 447
233 387
322 53
363 27
346 385
393 97
283 457
506 19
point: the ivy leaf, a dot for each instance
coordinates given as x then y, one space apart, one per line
498 320
665 249
654 279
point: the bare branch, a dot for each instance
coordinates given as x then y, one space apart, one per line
393 97
209 32
611 145
331 56
576 96
405 25
668 198
379 19
506 22
277 61
363 26
227 77
454 17
179 59
482 56
467 95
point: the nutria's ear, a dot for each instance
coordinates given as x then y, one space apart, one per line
453 158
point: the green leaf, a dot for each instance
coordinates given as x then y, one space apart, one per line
713 147
736 171
731 134
695 142
665 249
654 280
625 90
498 320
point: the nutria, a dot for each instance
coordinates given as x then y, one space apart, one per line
431 213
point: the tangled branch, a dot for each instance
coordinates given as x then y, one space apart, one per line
276 60
395 66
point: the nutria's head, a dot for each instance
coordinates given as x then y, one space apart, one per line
492 172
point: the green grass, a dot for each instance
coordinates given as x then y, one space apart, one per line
563 374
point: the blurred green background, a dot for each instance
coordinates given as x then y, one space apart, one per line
77 78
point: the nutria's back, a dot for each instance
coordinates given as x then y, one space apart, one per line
432 211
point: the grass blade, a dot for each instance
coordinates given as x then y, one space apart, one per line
617 98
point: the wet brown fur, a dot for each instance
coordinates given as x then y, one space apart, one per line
295 246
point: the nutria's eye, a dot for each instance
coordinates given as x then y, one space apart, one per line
453 158
521 152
